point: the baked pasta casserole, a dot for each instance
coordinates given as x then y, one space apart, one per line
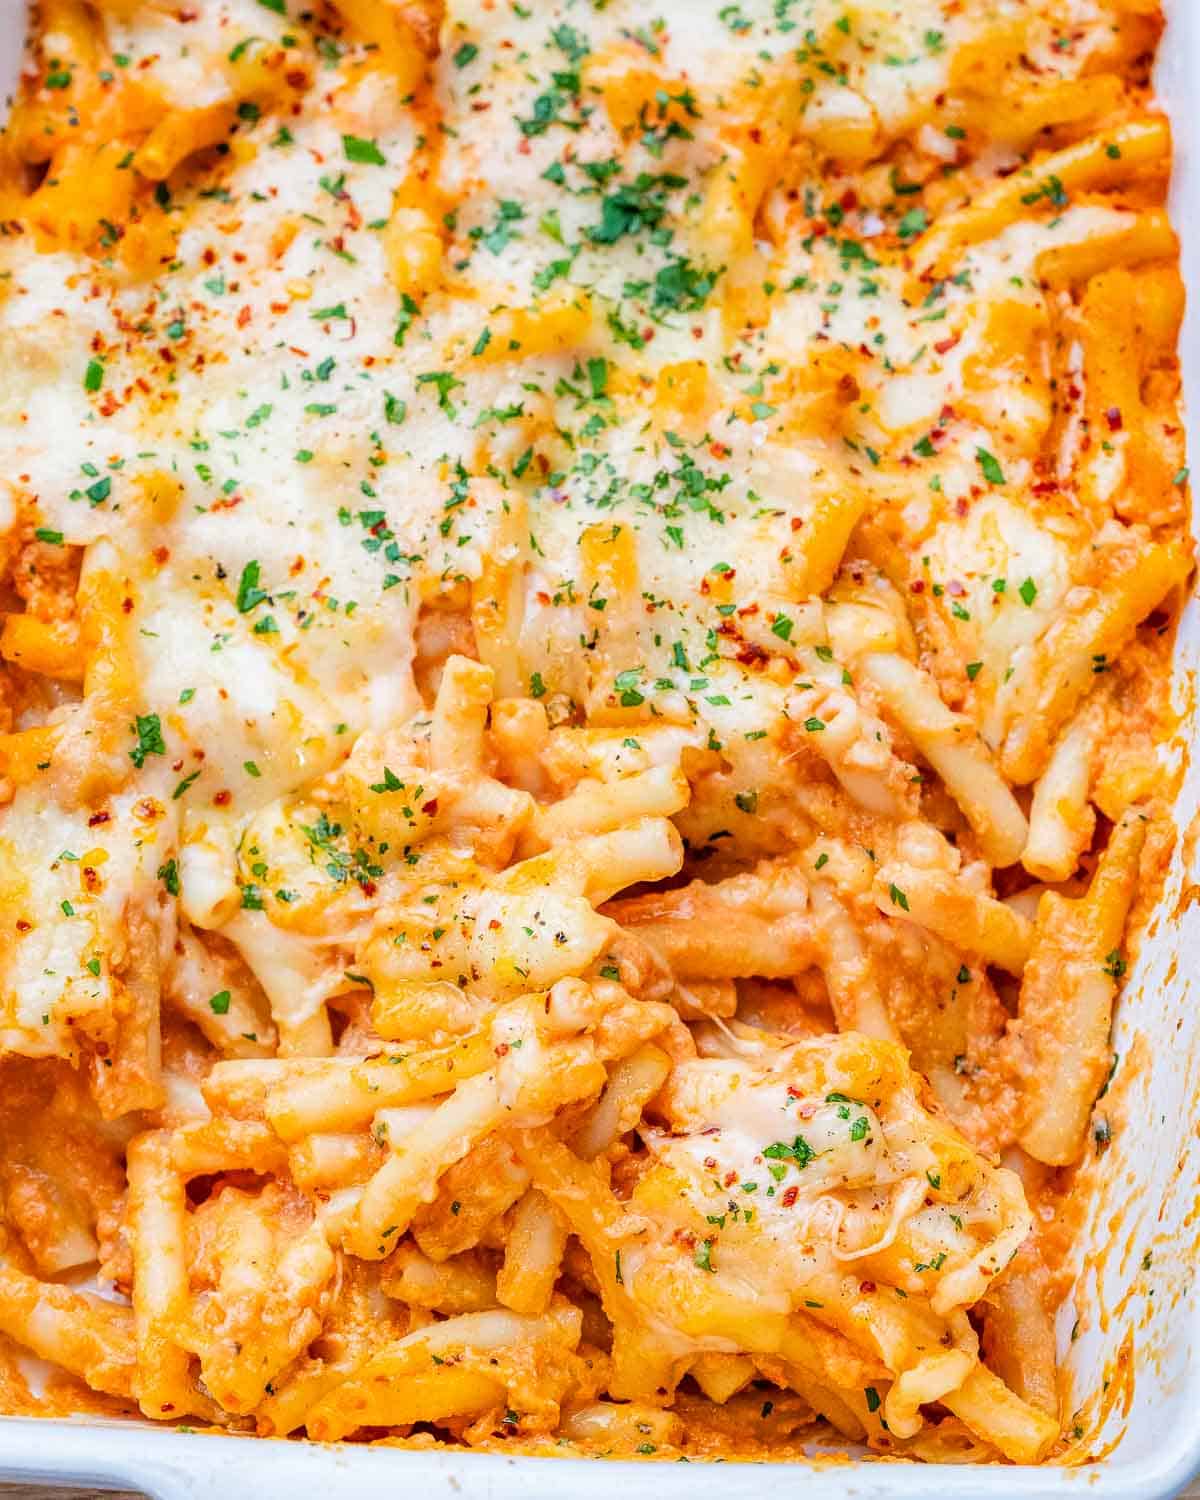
588 591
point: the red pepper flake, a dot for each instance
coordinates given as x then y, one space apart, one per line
789 1196
1113 417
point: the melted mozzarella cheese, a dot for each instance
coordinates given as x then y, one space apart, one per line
293 456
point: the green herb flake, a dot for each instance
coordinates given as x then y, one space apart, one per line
364 152
990 466
249 595
148 729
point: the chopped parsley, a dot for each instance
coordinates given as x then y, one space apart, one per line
990 466
148 730
363 151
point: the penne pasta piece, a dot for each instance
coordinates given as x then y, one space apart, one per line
1098 161
460 716
594 806
967 918
954 749
1149 237
1019 1431
632 1083
88 1337
463 1283
163 1385
1069 653
181 133
1061 820
532 1255
1067 997
45 646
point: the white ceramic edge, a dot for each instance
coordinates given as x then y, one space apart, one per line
172 1466
169 1465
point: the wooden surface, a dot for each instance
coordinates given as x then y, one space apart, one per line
40 1492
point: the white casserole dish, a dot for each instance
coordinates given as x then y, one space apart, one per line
1134 1364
